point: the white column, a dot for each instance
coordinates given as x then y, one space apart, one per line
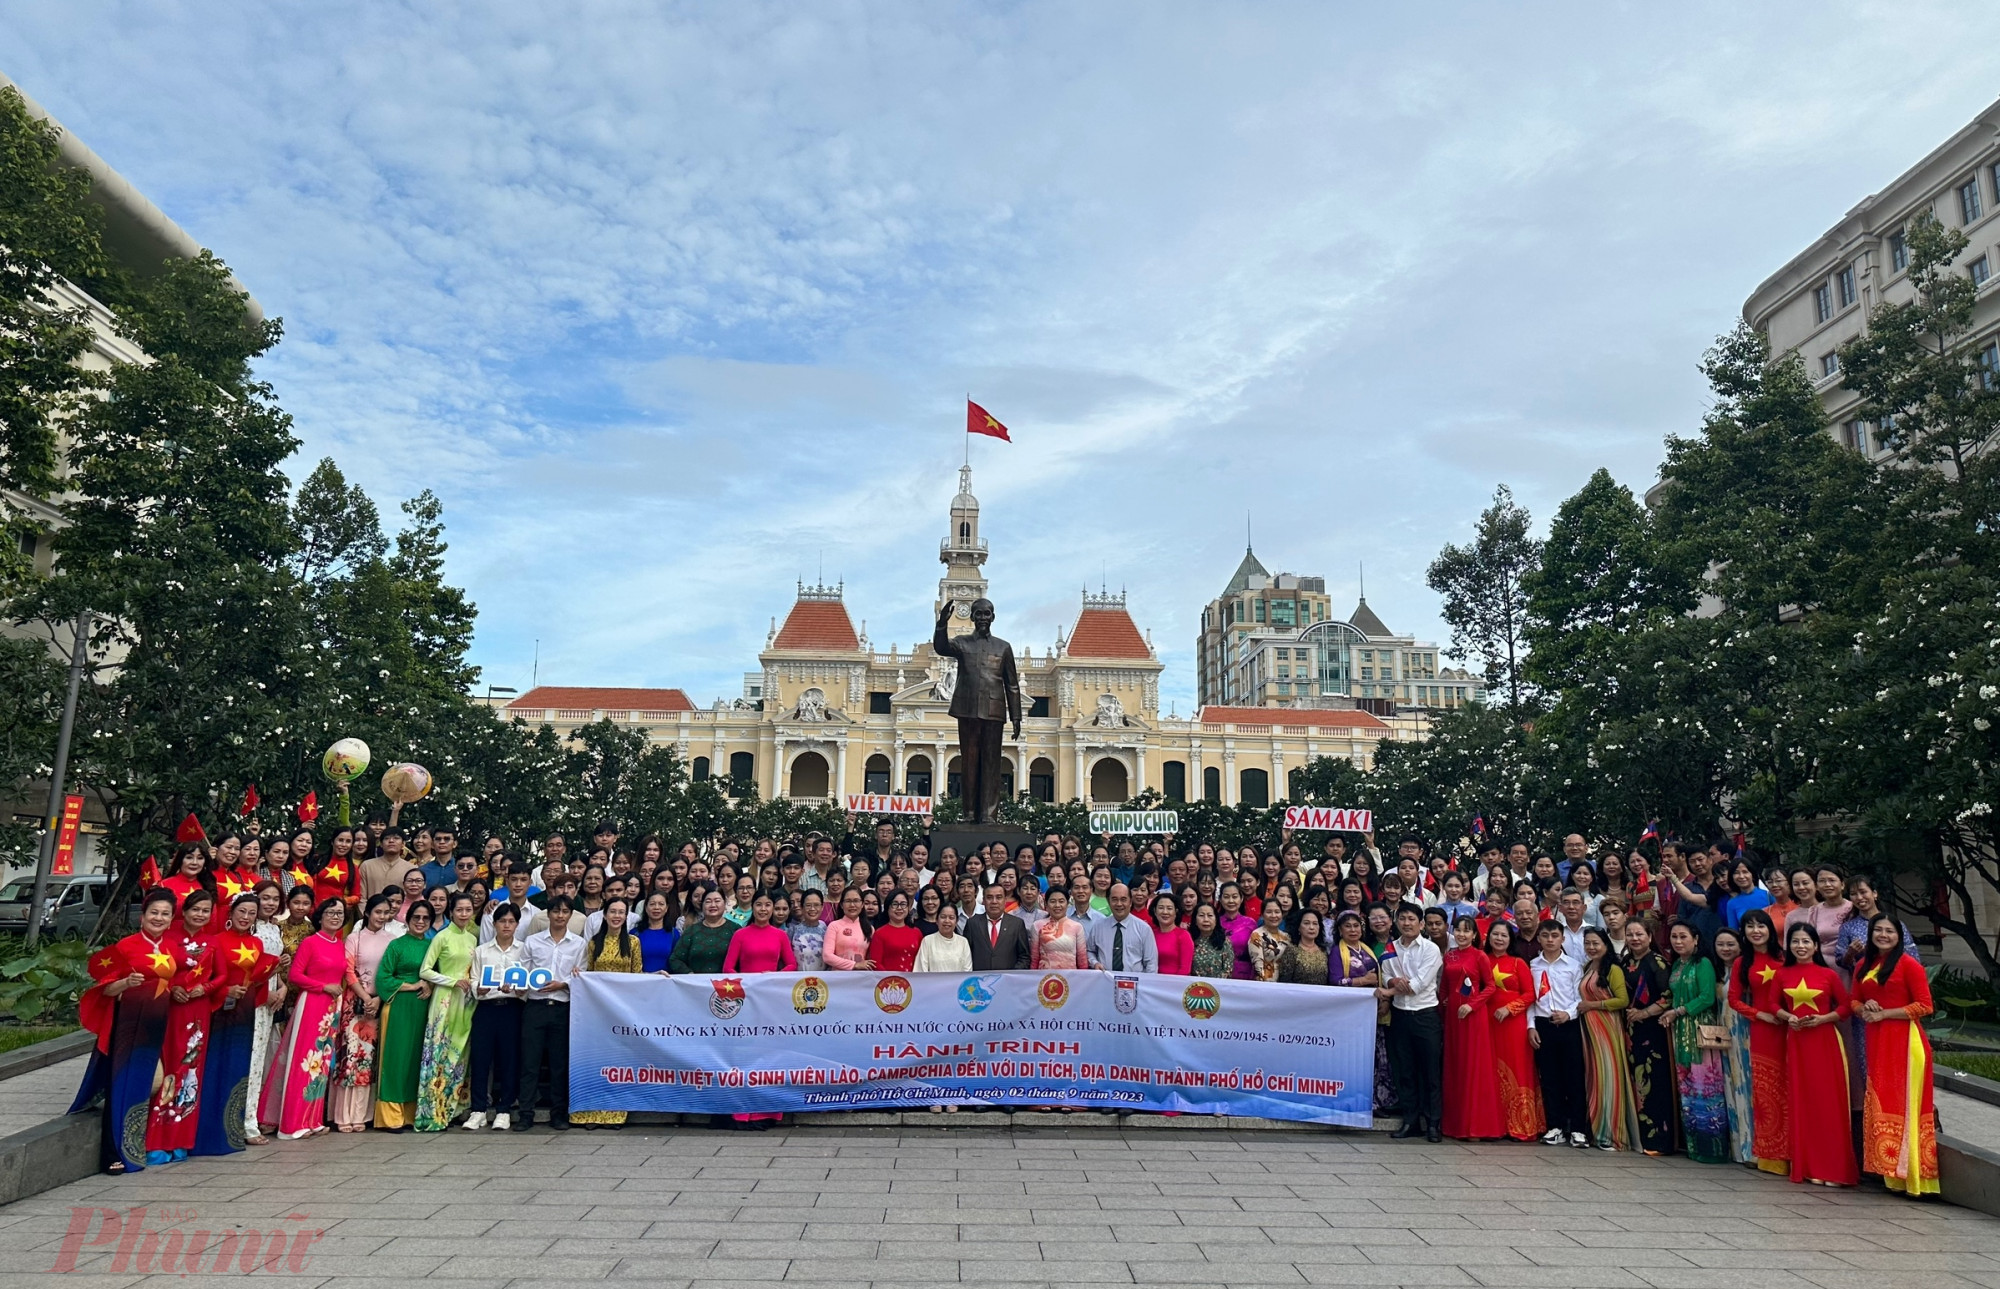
777 768
840 770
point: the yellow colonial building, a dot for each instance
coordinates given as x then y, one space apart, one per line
827 715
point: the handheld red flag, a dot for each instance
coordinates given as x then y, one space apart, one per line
190 831
980 421
309 808
250 801
149 874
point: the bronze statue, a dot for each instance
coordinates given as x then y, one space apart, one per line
987 695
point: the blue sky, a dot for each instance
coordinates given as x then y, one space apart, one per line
673 303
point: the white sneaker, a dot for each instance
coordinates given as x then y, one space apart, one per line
1580 1141
475 1121
1553 1137
501 1123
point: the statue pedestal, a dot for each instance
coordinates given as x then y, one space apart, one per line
964 838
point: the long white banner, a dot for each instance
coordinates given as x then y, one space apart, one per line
855 1040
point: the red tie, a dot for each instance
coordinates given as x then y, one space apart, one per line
993 930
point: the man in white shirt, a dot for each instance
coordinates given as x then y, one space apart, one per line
1571 905
1416 1032
1557 1037
545 1020
532 921
1119 941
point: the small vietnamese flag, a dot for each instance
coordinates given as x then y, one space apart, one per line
190 830
149 875
309 808
980 421
250 801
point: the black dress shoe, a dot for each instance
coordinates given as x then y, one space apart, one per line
1411 1127
1434 1136
523 1122
560 1125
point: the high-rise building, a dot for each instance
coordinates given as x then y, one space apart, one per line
1822 297
1274 641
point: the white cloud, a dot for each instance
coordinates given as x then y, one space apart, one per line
670 307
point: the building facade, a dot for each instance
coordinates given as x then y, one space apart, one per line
140 239
1275 642
1822 298
827 715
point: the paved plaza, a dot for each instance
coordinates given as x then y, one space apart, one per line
693 1207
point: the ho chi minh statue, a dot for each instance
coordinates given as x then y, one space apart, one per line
987 696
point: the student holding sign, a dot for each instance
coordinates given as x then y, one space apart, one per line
499 974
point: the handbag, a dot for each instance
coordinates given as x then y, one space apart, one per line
1711 1038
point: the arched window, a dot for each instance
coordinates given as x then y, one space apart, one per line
954 778
917 777
964 533
1255 786
1295 783
1173 780
809 775
700 769
1107 781
742 772
875 774
1042 779
1211 785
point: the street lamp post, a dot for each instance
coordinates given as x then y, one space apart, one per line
52 817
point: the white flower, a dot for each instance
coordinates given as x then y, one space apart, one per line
1981 724
1989 691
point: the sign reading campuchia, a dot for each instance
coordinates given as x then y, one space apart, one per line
882 803
1322 819
867 1040
1117 821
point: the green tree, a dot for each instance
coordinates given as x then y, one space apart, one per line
1485 597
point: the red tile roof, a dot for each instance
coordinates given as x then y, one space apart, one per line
818 625
1107 633
1349 718
577 698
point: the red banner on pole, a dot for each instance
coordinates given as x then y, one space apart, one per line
72 816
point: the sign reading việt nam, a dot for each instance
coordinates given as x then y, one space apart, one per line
1117 821
1327 819
883 803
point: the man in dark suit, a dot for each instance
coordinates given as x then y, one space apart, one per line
998 940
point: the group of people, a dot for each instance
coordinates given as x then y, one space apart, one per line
288 987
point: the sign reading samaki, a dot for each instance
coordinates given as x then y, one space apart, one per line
1326 819
882 803
1117 821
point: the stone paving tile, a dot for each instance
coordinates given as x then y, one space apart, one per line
1059 1206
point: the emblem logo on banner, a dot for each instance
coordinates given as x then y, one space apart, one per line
809 996
976 994
1125 997
892 994
1054 992
727 999
1201 1001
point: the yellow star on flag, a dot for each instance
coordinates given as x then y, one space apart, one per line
1501 976
1804 997
1764 976
163 963
247 955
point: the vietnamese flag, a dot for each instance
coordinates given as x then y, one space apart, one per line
250 801
190 831
308 809
980 421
